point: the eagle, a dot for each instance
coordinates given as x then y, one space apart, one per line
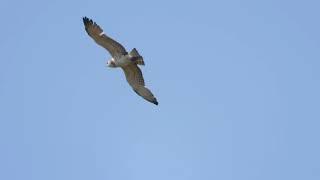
128 62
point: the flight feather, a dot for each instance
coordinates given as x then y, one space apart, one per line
96 33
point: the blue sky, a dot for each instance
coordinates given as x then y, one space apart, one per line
237 82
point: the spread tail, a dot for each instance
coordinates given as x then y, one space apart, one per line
136 56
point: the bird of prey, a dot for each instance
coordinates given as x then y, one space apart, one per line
121 58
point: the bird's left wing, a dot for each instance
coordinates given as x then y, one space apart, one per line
95 32
135 79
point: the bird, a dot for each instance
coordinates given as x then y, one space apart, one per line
128 62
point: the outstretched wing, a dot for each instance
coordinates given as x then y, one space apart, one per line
136 81
96 33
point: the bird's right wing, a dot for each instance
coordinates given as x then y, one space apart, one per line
146 94
135 79
96 33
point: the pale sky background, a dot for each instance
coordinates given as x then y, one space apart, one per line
237 82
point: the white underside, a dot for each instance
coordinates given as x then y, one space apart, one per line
123 61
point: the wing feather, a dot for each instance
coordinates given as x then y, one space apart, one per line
135 79
133 75
96 33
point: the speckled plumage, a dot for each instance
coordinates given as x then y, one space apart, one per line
121 58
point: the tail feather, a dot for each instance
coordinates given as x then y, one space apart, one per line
134 52
136 56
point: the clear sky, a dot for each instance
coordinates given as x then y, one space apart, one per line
237 82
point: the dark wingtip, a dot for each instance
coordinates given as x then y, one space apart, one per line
155 102
86 20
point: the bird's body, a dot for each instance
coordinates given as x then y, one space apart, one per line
123 61
121 58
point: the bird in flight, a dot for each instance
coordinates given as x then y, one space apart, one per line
121 58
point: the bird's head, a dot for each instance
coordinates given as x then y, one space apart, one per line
110 63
